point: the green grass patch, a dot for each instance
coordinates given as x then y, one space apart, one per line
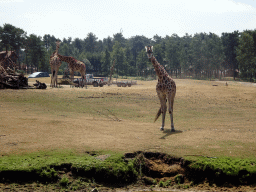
44 166
113 168
225 169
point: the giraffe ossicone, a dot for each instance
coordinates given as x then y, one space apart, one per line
165 88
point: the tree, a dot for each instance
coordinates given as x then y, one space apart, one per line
185 54
246 56
157 39
12 37
137 44
119 38
90 43
230 42
75 53
196 54
99 46
119 56
78 44
158 53
172 53
36 53
216 55
143 64
108 43
106 63
49 41
65 49
96 62
132 70
6 35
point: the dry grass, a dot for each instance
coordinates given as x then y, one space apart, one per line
211 120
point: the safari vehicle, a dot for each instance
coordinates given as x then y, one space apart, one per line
91 80
125 83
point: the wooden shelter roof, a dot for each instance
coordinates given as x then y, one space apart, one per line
9 54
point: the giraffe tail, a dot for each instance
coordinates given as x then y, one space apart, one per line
158 114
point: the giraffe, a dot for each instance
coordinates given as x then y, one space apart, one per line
165 88
111 72
74 65
55 64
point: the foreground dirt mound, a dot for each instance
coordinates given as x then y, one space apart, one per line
164 167
157 167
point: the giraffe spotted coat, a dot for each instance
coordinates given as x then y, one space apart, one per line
165 82
74 65
165 88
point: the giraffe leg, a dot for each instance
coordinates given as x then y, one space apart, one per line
51 81
55 79
71 75
82 81
85 82
52 78
170 104
162 99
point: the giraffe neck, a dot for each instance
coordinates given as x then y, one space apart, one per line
159 69
67 59
57 50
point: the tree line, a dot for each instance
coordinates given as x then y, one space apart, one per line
202 55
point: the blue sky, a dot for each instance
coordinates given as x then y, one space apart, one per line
104 18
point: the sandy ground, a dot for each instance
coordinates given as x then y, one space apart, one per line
27 130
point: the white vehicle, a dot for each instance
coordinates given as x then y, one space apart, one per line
95 81
39 74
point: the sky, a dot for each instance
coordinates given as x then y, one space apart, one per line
77 18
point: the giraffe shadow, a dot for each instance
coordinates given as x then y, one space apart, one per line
168 132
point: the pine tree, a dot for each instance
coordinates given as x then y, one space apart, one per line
246 56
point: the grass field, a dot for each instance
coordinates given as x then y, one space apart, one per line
210 120
54 134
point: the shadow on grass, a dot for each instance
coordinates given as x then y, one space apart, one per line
168 132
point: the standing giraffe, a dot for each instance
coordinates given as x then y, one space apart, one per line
55 64
165 88
111 72
74 65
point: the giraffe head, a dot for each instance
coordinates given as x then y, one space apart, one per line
149 50
57 44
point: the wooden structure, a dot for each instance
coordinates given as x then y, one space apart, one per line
12 80
8 59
